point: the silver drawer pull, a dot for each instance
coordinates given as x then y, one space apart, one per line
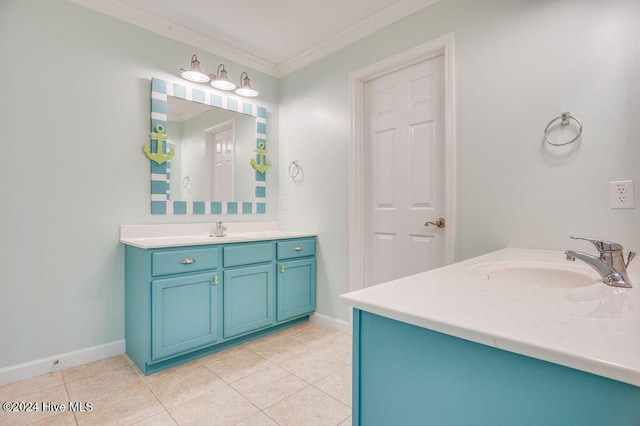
298 248
188 261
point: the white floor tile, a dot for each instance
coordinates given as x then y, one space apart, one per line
299 376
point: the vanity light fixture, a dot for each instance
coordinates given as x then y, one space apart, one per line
245 88
195 73
221 81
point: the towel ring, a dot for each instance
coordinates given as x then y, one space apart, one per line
294 169
565 118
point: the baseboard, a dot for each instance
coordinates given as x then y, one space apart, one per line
60 362
336 324
54 363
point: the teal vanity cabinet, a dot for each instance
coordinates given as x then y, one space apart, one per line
182 303
451 347
408 375
249 291
296 278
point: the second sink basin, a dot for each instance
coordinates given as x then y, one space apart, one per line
534 275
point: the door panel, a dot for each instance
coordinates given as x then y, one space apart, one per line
296 288
184 313
384 176
384 263
422 253
422 148
249 299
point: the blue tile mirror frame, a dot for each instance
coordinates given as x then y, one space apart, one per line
161 202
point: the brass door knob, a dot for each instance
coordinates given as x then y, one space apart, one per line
439 223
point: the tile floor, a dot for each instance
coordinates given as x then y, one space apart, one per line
300 376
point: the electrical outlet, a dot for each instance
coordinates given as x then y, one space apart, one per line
283 202
621 194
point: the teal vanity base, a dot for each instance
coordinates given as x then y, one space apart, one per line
408 375
182 303
212 349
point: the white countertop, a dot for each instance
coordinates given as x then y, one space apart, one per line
194 234
594 328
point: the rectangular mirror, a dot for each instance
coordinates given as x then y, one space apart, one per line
214 137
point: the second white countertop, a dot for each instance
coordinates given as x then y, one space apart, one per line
594 328
177 235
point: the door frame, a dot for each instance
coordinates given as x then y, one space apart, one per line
443 45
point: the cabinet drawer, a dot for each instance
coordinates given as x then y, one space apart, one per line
291 249
184 260
245 254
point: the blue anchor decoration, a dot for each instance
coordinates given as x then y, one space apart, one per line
159 157
260 166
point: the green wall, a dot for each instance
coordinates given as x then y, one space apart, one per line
74 116
518 64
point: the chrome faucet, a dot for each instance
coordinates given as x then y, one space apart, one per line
219 231
610 264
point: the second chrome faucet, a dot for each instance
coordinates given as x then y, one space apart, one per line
219 231
610 263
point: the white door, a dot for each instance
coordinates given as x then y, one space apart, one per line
404 172
219 161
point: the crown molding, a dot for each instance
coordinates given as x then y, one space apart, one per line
363 28
137 17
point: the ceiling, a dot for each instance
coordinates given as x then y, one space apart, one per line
272 36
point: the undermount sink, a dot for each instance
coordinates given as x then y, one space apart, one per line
534 275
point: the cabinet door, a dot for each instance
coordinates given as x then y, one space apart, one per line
296 288
248 299
184 313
